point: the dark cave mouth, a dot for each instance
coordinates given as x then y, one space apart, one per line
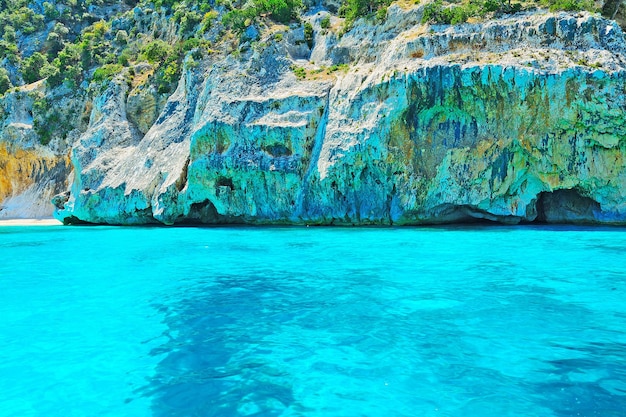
566 206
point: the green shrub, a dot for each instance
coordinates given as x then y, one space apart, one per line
339 67
9 50
99 29
239 19
106 72
156 51
43 122
207 21
308 34
54 42
121 37
325 22
187 21
299 72
355 9
40 106
50 11
569 5
381 14
190 44
53 75
47 125
5 82
499 6
32 66
435 12
458 14
281 11
26 20
69 66
9 34
94 48
164 3
491 5
204 5
125 57
167 75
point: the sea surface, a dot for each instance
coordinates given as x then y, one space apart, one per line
439 321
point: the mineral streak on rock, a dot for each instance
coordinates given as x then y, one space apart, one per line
30 174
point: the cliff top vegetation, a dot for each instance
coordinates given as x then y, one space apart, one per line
82 43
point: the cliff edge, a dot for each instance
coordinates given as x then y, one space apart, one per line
516 119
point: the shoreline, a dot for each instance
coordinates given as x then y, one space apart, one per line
30 222
50 221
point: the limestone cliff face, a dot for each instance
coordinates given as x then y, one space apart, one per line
30 173
514 120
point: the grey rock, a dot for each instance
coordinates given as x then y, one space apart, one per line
518 119
251 33
376 145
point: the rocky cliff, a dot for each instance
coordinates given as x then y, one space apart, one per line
517 119
30 173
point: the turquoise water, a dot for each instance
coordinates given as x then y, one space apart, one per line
463 322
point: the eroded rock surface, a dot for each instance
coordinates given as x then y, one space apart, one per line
519 119
30 173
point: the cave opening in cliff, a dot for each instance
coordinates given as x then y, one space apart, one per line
566 206
464 214
225 182
75 221
203 212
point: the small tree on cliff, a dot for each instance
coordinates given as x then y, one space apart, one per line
354 9
279 10
32 66
5 82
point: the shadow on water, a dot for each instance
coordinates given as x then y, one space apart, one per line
593 384
266 343
242 344
211 365
235 342
584 376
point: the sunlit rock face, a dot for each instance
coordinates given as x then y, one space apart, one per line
513 120
30 173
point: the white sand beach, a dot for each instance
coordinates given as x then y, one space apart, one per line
30 222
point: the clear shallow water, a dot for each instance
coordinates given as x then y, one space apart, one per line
463 322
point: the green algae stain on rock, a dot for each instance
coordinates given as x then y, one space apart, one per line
210 139
453 135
